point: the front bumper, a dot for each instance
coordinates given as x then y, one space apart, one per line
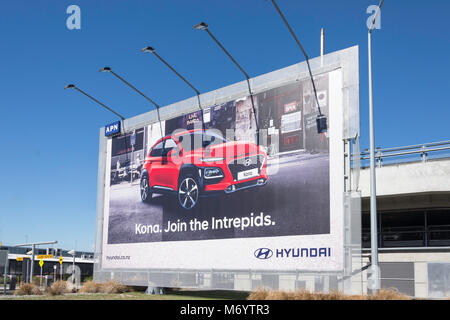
245 185
233 179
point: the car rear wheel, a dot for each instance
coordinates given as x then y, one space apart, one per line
188 192
146 195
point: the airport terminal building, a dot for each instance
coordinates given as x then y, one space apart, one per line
57 262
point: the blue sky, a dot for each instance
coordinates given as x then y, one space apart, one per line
49 150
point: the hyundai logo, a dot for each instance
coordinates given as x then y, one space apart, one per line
247 162
263 253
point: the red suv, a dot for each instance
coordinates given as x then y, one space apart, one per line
196 163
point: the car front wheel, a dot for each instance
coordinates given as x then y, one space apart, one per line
188 192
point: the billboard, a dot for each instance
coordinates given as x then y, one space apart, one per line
195 191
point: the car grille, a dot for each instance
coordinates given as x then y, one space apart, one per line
238 165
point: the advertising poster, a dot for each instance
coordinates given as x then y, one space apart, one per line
207 196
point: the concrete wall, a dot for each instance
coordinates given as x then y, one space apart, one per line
420 260
408 178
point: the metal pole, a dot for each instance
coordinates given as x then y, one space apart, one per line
375 277
373 201
26 270
35 243
32 262
322 46
73 268
95 100
5 274
40 280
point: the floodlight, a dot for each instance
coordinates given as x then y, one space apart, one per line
201 26
105 69
148 49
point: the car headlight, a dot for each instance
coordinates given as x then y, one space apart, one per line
211 173
217 159
262 162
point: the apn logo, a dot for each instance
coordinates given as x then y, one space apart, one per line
263 253
112 128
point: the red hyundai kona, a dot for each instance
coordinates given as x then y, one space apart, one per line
197 163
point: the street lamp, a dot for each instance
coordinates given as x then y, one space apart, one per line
152 50
72 86
375 277
204 26
321 119
108 69
201 26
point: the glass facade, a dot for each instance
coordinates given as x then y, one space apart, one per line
413 228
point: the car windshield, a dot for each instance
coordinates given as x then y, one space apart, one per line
193 140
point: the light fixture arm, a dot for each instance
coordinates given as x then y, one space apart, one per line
92 98
179 75
245 74
304 53
135 89
152 50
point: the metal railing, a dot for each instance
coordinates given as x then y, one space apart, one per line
413 153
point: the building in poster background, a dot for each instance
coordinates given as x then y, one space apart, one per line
206 196
312 141
126 155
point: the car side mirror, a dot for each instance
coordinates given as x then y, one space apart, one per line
170 153
174 152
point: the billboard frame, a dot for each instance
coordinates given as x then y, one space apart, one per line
245 279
